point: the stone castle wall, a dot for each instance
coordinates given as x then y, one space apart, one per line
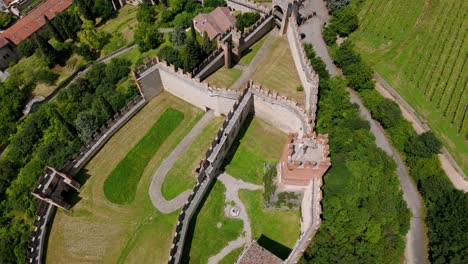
247 6
309 78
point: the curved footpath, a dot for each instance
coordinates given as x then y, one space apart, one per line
233 186
415 250
157 180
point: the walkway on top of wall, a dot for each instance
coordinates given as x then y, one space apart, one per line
157 180
250 69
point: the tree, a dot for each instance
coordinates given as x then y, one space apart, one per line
388 113
85 9
71 130
182 20
208 45
171 55
214 3
107 106
87 124
147 37
246 20
117 69
177 5
68 23
91 37
55 32
424 145
360 76
346 55
27 47
146 14
179 36
5 20
103 8
47 51
431 142
345 21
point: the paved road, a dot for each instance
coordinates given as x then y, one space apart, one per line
415 251
157 180
249 70
233 186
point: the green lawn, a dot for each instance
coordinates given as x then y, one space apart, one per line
120 186
98 231
421 51
232 257
261 143
283 227
181 177
208 238
277 71
250 53
224 77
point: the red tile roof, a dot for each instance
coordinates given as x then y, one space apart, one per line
214 23
256 254
34 20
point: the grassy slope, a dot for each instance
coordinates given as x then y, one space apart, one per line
277 71
120 29
121 184
250 53
181 178
224 77
281 226
97 231
208 239
261 143
232 257
422 52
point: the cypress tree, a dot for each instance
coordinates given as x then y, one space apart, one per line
107 106
71 130
57 34
85 9
49 53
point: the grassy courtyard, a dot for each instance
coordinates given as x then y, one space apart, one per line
261 143
181 176
213 230
250 53
121 184
98 231
277 71
224 77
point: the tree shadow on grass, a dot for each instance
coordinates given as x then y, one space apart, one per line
274 247
191 228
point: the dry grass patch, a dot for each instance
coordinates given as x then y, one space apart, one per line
224 77
97 231
277 71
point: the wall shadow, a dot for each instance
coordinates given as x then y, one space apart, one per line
274 247
191 228
73 197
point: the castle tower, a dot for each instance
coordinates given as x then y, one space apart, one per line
227 54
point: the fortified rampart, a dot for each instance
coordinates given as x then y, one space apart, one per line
45 211
309 78
247 6
209 168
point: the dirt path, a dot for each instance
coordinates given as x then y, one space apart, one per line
157 180
250 69
233 186
451 168
416 248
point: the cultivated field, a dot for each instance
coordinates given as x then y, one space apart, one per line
98 231
420 48
276 71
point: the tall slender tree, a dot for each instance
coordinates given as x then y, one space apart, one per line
57 34
47 50
85 9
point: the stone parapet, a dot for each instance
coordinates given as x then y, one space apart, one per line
247 6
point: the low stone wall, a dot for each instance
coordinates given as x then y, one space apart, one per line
309 78
208 170
213 65
264 25
46 211
247 6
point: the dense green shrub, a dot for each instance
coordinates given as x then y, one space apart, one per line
246 20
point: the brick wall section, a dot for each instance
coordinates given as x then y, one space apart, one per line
247 6
309 78
208 170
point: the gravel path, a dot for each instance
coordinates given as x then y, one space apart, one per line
250 69
157 180
416 249
233 186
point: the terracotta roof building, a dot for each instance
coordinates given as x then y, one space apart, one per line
214 23
256 254
34 20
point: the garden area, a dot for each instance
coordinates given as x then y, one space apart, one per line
278 71
96 230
